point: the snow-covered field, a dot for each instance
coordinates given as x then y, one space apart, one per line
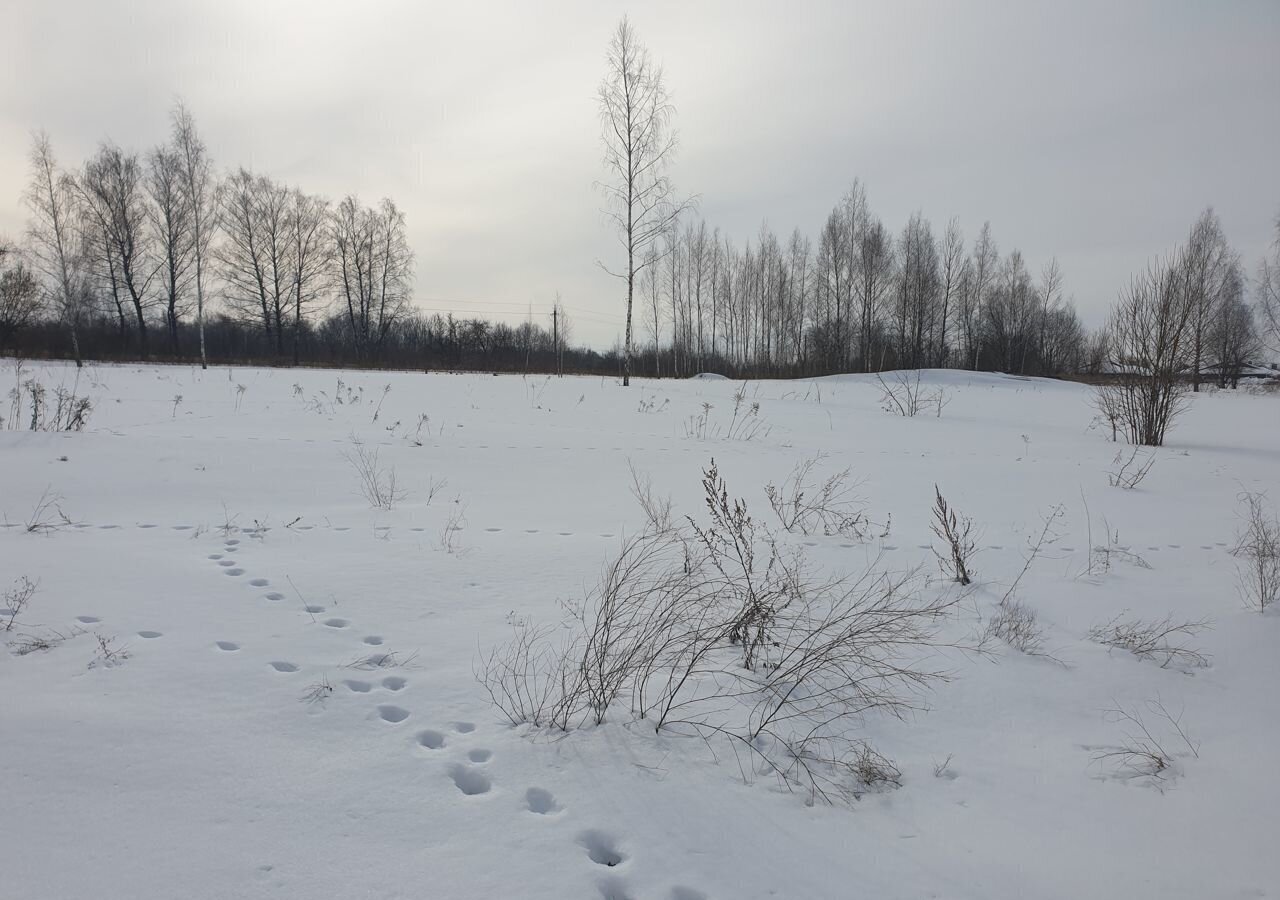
221 542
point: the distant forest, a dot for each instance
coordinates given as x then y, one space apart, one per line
157 255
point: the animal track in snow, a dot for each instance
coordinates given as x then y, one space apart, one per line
679 892
479 755
233 572
226 563
359 687
281 666
601 848
313 609
493 530
108 527
88 620
392 714
231 542
540 801
274 596
431 739
227 646
469 780
394 683
150 635
613 889
336 623
373 640
215 556
259 582
147 525
463 727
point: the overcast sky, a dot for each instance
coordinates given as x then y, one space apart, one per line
1090 131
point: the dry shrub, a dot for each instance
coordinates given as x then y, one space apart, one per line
1258 549
956 532
904 395
709 628
16 600
1128 472
1015 623
1144 754
377 482
806 505
1159 640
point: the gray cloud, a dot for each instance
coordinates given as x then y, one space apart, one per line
1093 131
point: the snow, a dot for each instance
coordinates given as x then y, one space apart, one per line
224 544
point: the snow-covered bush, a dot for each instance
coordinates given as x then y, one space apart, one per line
712 629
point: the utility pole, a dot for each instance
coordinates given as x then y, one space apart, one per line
555 335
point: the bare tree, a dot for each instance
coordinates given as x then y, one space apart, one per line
1050 293
52 235
19 295
1206 264
1268 290
952 269
112 187
635 117
653 294
200 191
170 222
1233 336
919 287
255 254
311 257
1150 344
373 267
875 272
984 260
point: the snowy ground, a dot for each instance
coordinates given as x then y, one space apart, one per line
193 768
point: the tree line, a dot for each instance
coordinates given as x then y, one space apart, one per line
862 297
157 255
